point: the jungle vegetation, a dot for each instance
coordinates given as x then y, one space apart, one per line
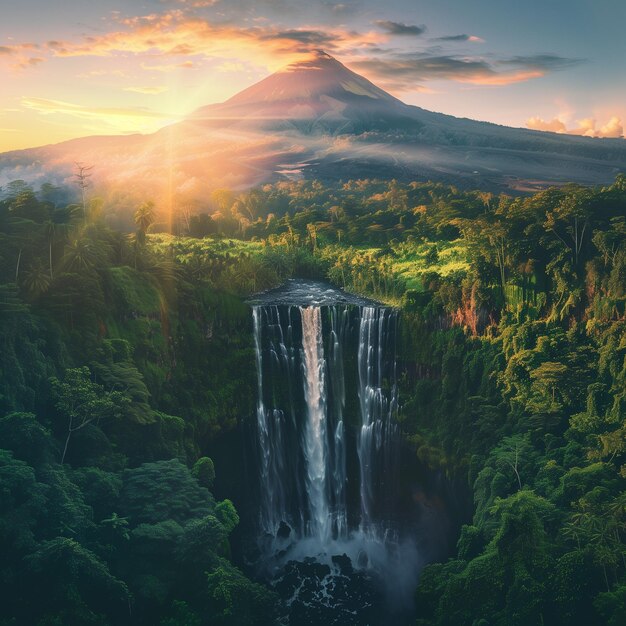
125 356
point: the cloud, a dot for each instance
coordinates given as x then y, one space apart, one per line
147 90
20 55
586 127
340 7
461 38
197 4
168 67
121 119
30 62
544 62
399 28
18 49
313 38
404 71
120 73
177 38
175 34
614 128
554 125
231 66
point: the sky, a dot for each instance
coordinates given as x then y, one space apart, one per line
72 68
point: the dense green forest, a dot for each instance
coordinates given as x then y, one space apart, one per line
125 357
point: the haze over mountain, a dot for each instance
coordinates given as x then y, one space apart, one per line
315 118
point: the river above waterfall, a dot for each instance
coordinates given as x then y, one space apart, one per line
305 292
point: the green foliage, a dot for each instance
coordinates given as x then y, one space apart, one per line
181 615
128 357
612 606
81 402
22 505
74 585
204 471
202 540
164 490
233 600
227 515
27 438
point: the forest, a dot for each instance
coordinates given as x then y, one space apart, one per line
127 363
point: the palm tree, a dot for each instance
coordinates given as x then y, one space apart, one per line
144 216
36 279
58 224
83 253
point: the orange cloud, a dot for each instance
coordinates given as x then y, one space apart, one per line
18 48
176 34
554 125
501 79
30 62
614 128
20 55
586 127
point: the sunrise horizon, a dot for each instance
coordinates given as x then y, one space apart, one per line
114 70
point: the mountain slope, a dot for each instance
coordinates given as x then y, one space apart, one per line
316 118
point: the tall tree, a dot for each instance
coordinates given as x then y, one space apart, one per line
82 176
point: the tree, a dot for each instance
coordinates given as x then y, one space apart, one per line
82 175
181 615
201 541
570 220
612 605
84 253
546 379
36 279
144 217
227 515
22 506
83 402
204 471
488 237
223 198
510 453
163 490
27 438
234 600
73 584
486 197
58 224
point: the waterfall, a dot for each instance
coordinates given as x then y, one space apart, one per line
325 419
315 431
377 404
339 326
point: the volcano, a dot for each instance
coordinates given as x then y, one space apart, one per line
316 119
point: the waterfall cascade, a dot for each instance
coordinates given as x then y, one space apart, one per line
325 420
342 527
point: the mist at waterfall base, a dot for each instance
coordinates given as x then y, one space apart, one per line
340 534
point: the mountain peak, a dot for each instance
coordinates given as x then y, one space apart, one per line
315 60
315 78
